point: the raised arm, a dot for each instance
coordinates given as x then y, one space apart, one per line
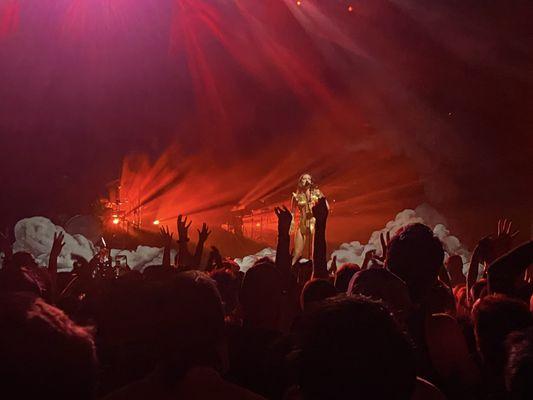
57 246
444 277
490 248
166 235
292 211
320 266
283 257
203 234
183 238
505 272
478 256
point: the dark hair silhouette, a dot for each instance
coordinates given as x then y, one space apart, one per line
351 347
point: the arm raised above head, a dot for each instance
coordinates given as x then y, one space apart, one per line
320 212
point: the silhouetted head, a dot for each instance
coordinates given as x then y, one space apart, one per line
381 284
315 291
44 355
188 324
231 265
494 317
23 259
228 286
158 273
519 367
21 279
261 295
415 255
351 347
343 276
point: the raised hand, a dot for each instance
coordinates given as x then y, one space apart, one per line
183 228
385 241
484 249
284 219
504 239
504 228
166 235
204 233
57 244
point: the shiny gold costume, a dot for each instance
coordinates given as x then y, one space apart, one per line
305 202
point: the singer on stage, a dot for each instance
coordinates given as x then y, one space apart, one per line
305 197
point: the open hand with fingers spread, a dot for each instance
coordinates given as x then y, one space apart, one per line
491 247
204 233
503 242
183 228
166 235
57 244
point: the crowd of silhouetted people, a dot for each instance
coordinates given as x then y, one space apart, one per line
406 324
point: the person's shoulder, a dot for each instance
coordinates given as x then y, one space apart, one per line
443 329
441 320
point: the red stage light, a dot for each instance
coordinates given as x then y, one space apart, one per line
116 221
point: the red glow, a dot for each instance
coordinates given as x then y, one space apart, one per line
9 17
368 187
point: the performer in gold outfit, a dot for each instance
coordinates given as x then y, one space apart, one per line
305 197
